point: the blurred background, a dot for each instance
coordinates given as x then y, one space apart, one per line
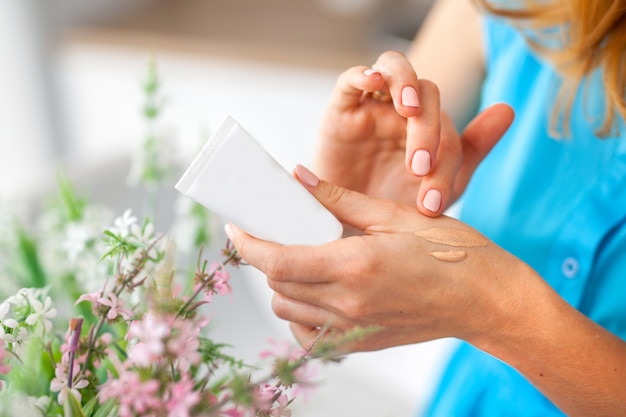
71 74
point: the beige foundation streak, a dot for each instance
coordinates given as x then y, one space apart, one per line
450 255
453 237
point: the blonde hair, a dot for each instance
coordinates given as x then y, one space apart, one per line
591 34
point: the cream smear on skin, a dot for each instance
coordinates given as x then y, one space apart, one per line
454 238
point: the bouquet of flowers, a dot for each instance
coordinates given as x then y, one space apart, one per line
100 321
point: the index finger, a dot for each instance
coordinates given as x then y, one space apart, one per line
402 82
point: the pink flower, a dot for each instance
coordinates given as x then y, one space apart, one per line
233 412
116 306
183 344
220 279
272 401
182 398
208 292
91 297
60 384
304 375
282 349
217 284
135 396
151 333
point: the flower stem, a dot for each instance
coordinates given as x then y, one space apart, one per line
76 325
232 257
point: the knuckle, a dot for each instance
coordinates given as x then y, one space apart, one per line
354 309
358 273
275 267
335 194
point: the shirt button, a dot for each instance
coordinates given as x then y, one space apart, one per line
570 267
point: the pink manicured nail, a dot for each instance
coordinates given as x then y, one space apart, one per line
409 97
420 164
228 229
306 177
432 200
370 71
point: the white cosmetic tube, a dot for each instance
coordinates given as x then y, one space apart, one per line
236 178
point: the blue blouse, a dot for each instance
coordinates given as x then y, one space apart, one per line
558 204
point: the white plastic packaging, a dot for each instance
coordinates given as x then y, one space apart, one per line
236 178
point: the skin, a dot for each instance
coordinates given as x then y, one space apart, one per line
386 277
367 145
385 273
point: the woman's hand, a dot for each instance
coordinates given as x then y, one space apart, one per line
384 134
415 277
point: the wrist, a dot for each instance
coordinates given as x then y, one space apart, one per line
516 313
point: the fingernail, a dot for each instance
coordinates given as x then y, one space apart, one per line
409 97
432 200
420 164
306 177
370 71
228 229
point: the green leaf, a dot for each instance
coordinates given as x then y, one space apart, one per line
151 111
73 204
151 84
35 275
108 409
110 234
90 406
72 408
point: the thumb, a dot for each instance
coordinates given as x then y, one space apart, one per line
478 138
350 207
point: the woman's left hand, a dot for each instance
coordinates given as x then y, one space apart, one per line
416 278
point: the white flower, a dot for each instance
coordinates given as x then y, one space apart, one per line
25 297
42 312
18 336
8 322
143 236
124 223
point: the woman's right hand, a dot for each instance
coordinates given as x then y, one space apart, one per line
405 147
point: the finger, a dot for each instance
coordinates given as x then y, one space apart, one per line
350 86
479 138
305 335
368 214
435 189
297 311
423 132
308 336
401 81
296 263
